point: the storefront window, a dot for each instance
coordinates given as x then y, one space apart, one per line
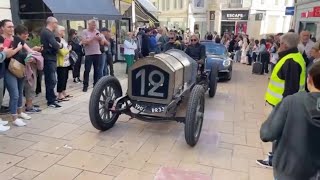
77 25
312 28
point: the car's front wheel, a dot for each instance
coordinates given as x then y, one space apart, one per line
104 94
230 74
213 81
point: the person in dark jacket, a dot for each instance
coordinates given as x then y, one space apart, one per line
264 56
153 46
49 53
295 125
197 51
74 41
145 42
173 42
232 44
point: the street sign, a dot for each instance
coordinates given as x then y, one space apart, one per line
235 15
289 11
316 11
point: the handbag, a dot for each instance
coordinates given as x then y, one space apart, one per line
16 68
73 57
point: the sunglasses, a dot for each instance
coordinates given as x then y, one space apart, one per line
171 38
193 40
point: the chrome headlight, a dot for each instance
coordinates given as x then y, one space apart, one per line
226 63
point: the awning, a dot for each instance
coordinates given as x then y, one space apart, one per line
83 9
143 8
148 6
142 15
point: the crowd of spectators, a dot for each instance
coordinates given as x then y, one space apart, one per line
22 65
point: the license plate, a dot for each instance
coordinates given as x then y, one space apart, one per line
149 108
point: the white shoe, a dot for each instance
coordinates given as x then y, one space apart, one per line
4 128
2 122
19 122
24 116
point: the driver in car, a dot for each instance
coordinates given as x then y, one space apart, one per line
197 51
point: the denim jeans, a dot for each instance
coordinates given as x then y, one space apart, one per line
237 56
1 90
104 64
96 61
15 88
110 64
50 78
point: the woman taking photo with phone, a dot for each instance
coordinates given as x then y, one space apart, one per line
63 65
13 83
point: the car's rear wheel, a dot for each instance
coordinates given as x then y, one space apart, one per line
213 81
104 94
194 116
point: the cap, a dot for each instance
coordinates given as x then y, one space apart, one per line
316 46
104 29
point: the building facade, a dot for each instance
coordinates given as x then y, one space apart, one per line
253 17
269 17
307 17
173 13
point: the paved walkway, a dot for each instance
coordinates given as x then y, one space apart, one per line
63 145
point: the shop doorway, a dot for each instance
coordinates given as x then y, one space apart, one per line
228 27
241 28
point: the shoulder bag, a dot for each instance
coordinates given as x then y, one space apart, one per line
16 68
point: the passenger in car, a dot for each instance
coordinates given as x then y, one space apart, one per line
173 43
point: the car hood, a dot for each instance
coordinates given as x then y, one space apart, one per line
215 60
216 57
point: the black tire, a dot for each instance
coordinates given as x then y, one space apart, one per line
213 81
109 89
230 74
194 116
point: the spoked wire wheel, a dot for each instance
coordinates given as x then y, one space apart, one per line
103 96
194 116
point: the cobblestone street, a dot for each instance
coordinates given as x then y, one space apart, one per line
63 145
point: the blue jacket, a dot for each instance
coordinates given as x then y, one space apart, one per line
153 47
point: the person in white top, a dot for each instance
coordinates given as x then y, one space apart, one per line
244 50
306 43
129 50
237 56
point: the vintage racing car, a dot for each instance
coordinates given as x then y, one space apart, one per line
166 86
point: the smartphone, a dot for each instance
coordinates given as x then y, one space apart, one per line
7 43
